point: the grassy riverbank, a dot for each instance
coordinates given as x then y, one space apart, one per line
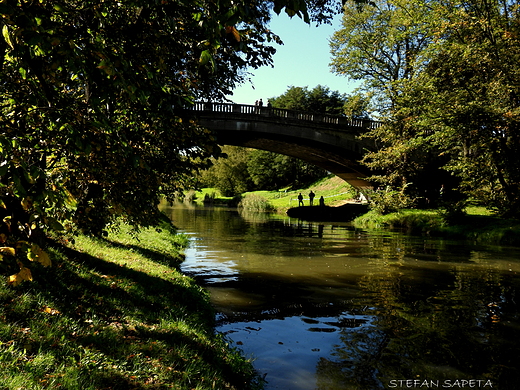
115 314
334 190
478 225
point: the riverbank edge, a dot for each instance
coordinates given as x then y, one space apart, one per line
115 313
484 229
476 226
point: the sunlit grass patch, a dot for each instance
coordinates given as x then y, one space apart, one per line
115 313
476 227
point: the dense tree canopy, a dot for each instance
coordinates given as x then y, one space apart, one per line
381 45
92 93
444 76
319 99
474 80
229 173
240 169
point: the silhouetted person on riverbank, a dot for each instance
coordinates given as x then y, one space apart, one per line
311 198
322 201
300 200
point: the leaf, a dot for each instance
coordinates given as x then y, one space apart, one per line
26 203
54 224
16 279
7 251
50 310
39 255
205 57
234 31
60 8
23 72
7 37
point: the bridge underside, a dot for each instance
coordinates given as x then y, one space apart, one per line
334 149
333 159
329 142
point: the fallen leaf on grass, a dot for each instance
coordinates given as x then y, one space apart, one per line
16 279
50 310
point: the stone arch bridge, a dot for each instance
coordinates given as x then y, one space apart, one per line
330 142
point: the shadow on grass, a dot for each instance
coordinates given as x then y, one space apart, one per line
113 327
168 260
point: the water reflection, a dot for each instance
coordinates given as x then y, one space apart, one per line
331 307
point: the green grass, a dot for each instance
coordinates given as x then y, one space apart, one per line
115 314
478 225
412 220
332 188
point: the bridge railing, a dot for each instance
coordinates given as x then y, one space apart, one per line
283 113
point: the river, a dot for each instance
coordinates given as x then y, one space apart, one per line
327 306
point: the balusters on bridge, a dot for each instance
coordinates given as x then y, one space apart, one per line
283 113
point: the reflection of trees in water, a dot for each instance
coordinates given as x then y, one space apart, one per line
254 232
461 323
441 310
355 364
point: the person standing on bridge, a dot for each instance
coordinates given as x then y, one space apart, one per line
311 198
300 200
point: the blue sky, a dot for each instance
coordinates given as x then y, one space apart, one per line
302 61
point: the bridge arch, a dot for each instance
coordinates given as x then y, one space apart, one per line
327 141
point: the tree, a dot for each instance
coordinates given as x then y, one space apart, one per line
229 174
473 78
92 94
384 44
240 169
380 44
450 85
320 99
272 171
357 106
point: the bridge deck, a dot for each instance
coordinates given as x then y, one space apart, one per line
279 113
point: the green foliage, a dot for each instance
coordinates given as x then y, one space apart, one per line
270 171
119 315
92 96
382 46
253 202
320 99
413 221
477 228
357 106
385 201
445 79
479 127
241 170
229 173
379 43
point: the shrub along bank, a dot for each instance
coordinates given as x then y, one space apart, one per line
115 313
474 225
